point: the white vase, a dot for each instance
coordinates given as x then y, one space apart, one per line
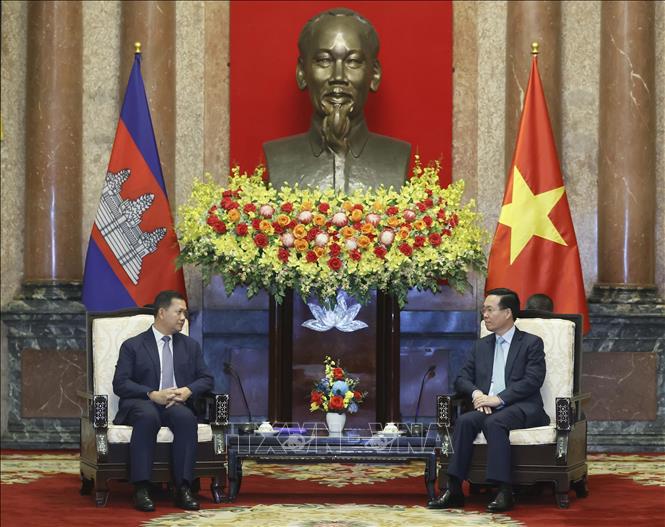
335 423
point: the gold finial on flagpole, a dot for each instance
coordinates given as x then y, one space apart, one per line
137 47
534 48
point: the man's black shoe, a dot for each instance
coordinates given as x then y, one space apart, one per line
448 500
502 502
142 501
185 499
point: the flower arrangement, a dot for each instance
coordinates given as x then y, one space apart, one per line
320 241
336 392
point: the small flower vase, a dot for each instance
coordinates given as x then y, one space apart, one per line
335 423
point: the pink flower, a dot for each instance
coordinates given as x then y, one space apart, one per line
321 239
387 237
409 215
266 211
288 239
373 218
351 244
305 217
340 219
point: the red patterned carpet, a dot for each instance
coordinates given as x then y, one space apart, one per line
42 488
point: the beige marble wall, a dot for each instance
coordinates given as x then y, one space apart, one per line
580 70
12 168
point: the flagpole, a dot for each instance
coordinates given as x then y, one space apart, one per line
137 48
534 48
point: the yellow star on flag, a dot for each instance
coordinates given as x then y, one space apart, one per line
528 215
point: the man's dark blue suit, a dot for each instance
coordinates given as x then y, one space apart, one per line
136 374
524 375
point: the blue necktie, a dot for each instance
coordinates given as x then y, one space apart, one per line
498 368
167 364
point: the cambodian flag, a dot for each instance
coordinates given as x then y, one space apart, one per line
133 246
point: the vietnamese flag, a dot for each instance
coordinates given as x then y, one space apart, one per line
534 248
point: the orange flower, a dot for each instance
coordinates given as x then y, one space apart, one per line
283 220
306 205
378 206
356 215
367 228
394 221
300 231
419 225
363 241
319 251
403 233
233 215
347 206
348 232
319 220
265 226
301 245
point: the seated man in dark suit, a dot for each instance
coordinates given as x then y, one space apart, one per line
159 374
503 377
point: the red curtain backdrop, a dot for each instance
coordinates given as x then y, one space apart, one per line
414 101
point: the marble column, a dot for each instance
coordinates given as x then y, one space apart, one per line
53 142
627 317
46 322
527 22
627 150
153 24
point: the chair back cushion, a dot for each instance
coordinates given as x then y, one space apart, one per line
108 334
559 340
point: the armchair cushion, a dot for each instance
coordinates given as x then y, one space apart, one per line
123 434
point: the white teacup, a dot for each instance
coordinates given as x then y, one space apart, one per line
265 426
390 428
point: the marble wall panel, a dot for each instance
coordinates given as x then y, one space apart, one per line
190 88
580 63
50 380
101 102
622 386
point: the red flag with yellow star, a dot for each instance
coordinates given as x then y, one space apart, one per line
534 248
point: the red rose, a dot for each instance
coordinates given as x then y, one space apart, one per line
256 224
358 206
336 403
283 254
428 202
419 241
446 232
226 203
428 220
227 194
406 249
357 226
338 374
335 263
217 224
392 210
421 207
287 207
212 209
278 228
324 208
311 257
441 215
380 252
454 220
355 255
292 224
261 240
316 397
249 207
335 249
357 395
435 239
241 229
312 234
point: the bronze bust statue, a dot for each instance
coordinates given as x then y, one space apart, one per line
338 65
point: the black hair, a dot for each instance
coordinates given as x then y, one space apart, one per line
164 299
540 302
508 299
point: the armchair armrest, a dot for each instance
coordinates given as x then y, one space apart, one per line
569 410
215 408
444 408
97 409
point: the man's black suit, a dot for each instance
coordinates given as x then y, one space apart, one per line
524 375
136 374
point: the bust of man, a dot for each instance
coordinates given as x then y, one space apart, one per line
338 64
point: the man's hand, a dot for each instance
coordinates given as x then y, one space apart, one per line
163 397
181 395
489 401
475 397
